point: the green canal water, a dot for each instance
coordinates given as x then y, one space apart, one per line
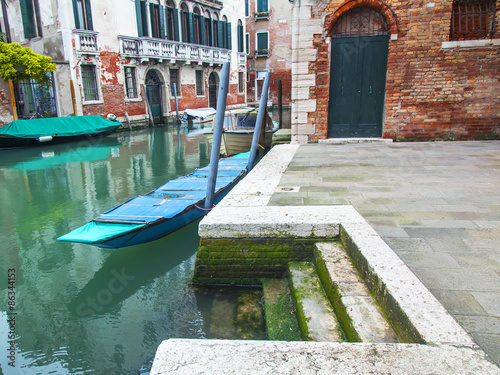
77 309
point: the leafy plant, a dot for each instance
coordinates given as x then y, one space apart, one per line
18 63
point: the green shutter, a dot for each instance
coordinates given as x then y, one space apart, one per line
262 41
240 38
27 16
168 16
262 6
37 15
88 15
191 29
183 26
220 34
229 44
210 32
75 13
152 19
176 24
162 22
138 15
203 35
144 18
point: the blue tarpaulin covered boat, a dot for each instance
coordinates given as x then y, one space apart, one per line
154 215
55 130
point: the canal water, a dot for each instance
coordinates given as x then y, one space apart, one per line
74 308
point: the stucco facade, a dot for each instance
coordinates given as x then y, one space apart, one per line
116 53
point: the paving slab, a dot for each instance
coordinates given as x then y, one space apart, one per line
439 197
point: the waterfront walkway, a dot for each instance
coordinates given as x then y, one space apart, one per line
436 204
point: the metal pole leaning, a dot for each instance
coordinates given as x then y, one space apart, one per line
258 123
216 141
176 105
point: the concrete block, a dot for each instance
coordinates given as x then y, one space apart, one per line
201 357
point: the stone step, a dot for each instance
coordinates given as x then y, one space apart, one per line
361 317
315 314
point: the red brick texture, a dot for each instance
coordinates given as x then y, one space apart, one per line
431 92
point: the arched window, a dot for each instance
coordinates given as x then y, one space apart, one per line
185 23
198 35
215 24
172 21
361 21
208 29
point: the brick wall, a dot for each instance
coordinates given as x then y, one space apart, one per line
435 89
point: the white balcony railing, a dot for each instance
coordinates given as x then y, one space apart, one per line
146 48
86 42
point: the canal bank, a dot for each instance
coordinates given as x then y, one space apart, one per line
387 184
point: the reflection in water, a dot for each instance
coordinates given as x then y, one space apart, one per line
81 309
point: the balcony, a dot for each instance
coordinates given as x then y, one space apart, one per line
262 53
86 42
146 48
261 15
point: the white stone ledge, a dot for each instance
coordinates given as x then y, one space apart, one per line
197 357
471 43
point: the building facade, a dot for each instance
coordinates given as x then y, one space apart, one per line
268 41
405 70
124 56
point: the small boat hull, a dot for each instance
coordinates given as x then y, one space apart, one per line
43 131
162 211
236 142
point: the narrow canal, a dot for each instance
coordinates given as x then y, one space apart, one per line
75 308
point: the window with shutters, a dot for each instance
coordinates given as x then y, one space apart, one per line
83 14
215 28
199 83
262 10
247 43
241 44
89 82
156 15
30 14
130 82
472 19
262 44
247 8
172 22
197 26
142 18
208 29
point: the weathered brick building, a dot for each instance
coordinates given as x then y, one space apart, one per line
396 69
118 53
268 46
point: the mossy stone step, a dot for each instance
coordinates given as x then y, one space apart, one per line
360 316
315 314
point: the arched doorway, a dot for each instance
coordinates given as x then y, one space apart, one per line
213 85
360 40
153 92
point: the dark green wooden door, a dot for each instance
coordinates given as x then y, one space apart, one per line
357 86
154 99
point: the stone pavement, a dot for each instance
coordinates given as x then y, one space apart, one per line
436 204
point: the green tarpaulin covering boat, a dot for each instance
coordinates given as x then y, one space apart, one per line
55 130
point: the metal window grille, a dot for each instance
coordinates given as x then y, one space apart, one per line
472 19
35 99
361 21
199 82
174 78
241 82
130 83
90 91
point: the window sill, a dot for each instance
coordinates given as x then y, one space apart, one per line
480 43
133 100
91 102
